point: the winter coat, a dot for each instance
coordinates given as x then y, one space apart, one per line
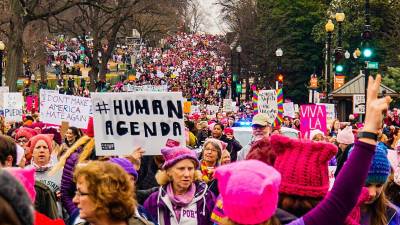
68 187
233 147
393 215
160 207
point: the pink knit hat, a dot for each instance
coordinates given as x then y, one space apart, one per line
346 136
48 138
25 132
254 202
176 154
27 178
303 165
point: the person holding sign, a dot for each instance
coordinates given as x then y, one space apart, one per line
182 197
258 203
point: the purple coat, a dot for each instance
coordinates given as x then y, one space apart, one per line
207 202
68 187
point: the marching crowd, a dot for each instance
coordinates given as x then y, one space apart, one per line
48 177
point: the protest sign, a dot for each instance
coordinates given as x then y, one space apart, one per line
125 121
227 106
32 103
288 109
148 88
330 111
187 107
359 104
267 103
56 108
312 117
3 89
331 170
12 106
194 109
212 109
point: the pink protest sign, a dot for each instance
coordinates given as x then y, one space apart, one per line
312 117
32 103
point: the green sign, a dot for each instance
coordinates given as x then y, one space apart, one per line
234 77
373 65
239 88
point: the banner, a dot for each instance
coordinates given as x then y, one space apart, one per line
126 121
359 104
279 101
12 108
228 105
32 103
267 103
147 88
288 109
56 108
330 111
312 117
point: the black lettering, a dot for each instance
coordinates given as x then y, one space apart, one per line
129 107
144 107
121 129
109 130
176 109
164 129
148 130
134 128
176 129
157 107
118 106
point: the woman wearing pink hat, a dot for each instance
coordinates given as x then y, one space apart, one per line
182 197
259 198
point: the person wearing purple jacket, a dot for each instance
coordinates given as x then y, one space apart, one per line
182 198
259 198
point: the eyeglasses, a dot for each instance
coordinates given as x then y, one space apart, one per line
211 149
79 193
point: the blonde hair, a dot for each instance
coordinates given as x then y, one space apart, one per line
162 177
86 141
110 188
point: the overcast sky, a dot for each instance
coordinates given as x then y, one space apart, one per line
212 11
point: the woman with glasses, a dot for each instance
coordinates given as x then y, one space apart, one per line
105 195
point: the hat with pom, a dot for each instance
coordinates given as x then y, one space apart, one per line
16 196
380 167
176 154
258 198
346 136
303 165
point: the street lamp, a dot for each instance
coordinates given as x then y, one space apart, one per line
239 50
329 27
2 47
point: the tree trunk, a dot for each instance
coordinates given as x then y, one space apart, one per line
15 47
42 70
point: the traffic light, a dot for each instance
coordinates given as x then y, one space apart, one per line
339 62
339 69
367 53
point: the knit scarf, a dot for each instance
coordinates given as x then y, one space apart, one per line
180 201
207 174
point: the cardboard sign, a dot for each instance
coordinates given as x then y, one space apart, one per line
187 107
227 106
195 109
312 117
330 111
288 109
267 103
125 121
3 89
12 108
32 103
359 104
147 88
56 108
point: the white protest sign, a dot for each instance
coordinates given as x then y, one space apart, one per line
56 108
359 104
125 121
227 107
212 109
330 111
267 104
12 106
3 89
195 109
332 170
288 109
